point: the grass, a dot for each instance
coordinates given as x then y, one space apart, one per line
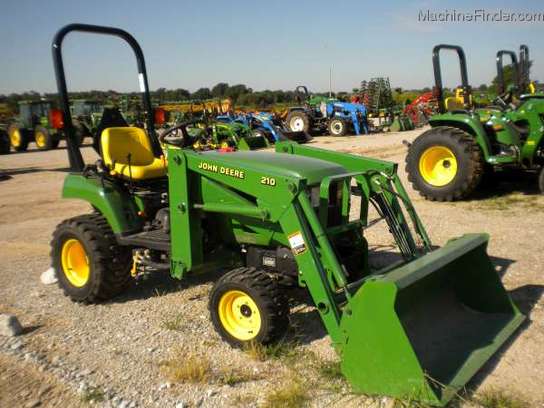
187 368
285 350
510 202
330 370
495 398
92 394
292 394
233 377
175 323
243 400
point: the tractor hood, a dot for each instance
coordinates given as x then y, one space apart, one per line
280 164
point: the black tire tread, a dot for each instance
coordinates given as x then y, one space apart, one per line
344 128
111 262
49 137
470 148
305 117
4 143
275 302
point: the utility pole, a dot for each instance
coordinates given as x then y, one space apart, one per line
330 81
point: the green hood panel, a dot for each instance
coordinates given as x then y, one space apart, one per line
287 165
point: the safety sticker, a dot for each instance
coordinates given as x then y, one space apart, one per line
297 243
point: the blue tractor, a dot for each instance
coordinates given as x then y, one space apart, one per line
318 114
343 115
264 124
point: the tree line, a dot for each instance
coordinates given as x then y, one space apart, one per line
242 95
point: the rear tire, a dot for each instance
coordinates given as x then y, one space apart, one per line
18 138
81 132
42 138
89 264
4 143
541 180
247 305
338 127
298 121
444 164
55 142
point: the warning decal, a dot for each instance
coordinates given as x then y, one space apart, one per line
297 243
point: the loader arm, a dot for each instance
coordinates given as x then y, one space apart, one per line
378 178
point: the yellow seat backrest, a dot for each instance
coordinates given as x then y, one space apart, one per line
127 151
454 103
119 142
457 102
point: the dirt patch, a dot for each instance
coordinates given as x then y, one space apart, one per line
22 385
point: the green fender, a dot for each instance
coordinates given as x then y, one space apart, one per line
118 207
468 123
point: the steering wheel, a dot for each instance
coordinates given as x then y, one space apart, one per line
503 101
177 135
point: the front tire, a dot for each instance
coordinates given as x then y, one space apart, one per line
444 164
89 264
18 138
298 121
338 127
541 180
247 305
43 139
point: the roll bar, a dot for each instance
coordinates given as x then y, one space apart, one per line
438 74
500 70
74 154
302 90
524 66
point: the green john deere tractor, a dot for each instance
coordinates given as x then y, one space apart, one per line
447 162
33 124
216 135
419 328
86 115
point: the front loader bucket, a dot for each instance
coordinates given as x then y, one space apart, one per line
421 331
252 143
299 137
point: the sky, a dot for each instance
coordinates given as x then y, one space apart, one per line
265 45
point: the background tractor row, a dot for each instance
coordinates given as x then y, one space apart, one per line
448 162
33 125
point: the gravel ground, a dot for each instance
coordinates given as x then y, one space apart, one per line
124 353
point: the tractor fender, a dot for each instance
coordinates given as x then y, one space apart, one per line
116 206
467 123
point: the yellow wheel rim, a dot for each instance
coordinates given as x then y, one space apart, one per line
438 166
15 138
75 263
40 138
239 315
